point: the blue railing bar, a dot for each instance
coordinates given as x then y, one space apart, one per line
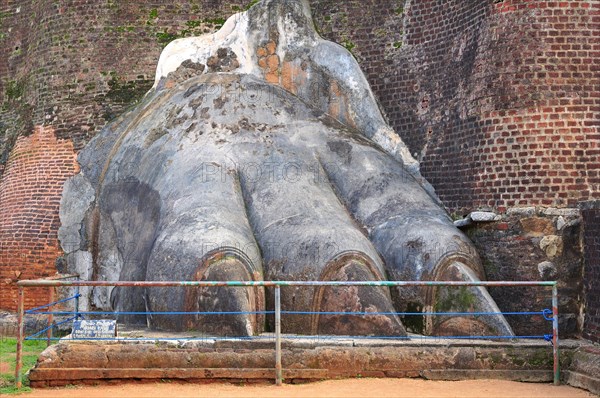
48 328
409 313
154 313
300 337
543 313
34 310
548 315
277 284
421 337
158 338
38 283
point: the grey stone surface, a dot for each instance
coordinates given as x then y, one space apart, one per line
547 270
484 216
76 201
477 216
9 326
82 265
521 211
274 162
464 222
560 223
561 212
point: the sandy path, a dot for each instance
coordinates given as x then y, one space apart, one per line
362 388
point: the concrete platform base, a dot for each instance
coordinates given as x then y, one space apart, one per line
84 362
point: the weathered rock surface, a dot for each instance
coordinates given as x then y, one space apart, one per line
261 154
544 253
584 371
80 362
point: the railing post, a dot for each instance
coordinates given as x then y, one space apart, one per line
278 368
77 302
50 317
20 335
555 350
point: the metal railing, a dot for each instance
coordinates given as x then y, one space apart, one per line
550 315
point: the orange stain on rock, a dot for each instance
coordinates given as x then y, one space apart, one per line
273 62
293 77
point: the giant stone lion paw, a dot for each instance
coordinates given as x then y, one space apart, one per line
261 154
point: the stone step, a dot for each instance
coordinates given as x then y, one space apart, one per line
64 376
580 380
584 370
534 376
88 362
586 360
69 375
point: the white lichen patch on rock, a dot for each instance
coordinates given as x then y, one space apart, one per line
233 35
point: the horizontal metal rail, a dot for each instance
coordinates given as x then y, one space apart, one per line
47 283
60 277
278 312
362 313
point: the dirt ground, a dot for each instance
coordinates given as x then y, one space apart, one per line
333 388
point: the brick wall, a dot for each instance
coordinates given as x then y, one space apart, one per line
75 64
496 98
591 226
504 97
30 192
541 244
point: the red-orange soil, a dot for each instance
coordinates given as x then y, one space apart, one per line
362 388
